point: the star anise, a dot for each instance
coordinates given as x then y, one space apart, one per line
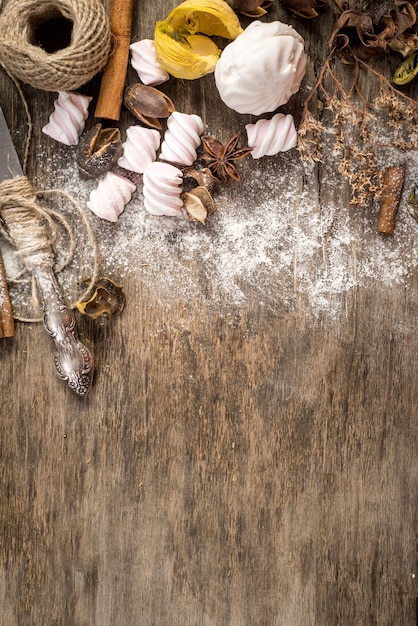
221 159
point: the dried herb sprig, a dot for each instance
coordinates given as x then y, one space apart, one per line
353 116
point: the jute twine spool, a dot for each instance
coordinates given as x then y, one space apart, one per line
63 69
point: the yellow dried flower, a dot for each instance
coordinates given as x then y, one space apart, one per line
183 43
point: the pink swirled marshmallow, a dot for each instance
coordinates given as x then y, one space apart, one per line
140 148
182 138
111 196
66 122
145 61
268 137
162 189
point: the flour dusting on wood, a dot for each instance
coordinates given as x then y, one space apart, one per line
293 246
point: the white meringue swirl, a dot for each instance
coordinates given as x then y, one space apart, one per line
145 61
268 137
182 138
162 189
66 122
140 148
111 195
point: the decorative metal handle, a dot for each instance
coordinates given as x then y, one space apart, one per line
73 361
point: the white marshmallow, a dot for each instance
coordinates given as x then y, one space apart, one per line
67 121
268 137
162 189
111 195
182 138
140 148
145 61
262 68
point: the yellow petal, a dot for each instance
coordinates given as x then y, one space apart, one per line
209 17
181 45
187 56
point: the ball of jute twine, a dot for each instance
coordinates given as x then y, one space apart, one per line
63 70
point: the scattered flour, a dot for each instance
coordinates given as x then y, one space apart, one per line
291 246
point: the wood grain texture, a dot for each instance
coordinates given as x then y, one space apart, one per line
241 467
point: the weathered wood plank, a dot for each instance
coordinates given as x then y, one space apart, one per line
240 464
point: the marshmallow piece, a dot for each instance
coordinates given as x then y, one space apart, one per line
182 138
111 195
162 189
140 148
66 122
262 68
145 61
268 137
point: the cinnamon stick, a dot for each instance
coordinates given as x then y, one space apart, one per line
110 99
393 182
7 327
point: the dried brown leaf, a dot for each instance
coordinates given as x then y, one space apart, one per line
251 8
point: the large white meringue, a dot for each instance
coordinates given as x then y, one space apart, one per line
262 68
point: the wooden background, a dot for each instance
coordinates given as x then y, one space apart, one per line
251 469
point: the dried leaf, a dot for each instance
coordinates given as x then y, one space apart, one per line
405 44
361 22
379 25
251 8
